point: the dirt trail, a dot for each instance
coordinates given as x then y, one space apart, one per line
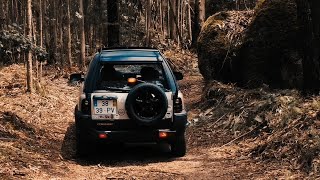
37 142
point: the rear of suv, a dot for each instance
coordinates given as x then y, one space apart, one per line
130 96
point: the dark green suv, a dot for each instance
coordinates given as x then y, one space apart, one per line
130 96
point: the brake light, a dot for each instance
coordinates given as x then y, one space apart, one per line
177 105
103 136
85 106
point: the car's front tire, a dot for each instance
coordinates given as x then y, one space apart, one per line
179 146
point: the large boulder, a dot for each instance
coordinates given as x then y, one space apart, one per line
266 51
218 41
269 53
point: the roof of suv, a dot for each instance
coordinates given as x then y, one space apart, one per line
124 54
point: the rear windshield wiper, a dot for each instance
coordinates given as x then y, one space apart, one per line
116 89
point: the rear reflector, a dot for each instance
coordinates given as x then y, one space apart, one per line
103 136
163 134
177 105
85 106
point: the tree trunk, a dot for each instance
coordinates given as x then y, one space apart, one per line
189 21
69 50
202 12
148 23
82 37
41 36
309 40
196 24
55 32
172 12
16 11
168 23
178 15
29 33
175 23
199 18
60 27
161 17
2 17
315 15
6 13
113 23
34 41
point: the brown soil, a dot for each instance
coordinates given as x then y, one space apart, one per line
37 141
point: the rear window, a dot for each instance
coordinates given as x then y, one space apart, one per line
115 76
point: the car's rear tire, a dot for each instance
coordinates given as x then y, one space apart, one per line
147 104
81 144
179 146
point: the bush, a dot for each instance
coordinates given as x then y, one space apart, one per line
13 43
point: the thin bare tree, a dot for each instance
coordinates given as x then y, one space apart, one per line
69 50
82 36
29 33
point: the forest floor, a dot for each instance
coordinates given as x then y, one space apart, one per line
37 141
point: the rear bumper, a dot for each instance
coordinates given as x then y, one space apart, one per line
131 136
128 131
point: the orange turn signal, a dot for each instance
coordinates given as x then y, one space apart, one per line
103 136
132 81
163 134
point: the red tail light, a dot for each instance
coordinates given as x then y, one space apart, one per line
103 136
177 105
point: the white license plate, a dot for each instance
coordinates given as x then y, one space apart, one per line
105 107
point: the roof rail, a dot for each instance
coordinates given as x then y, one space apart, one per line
112 48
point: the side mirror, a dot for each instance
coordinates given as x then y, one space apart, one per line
76 77
178 75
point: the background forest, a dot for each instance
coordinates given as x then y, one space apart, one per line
63 33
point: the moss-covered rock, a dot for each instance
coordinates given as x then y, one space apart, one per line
269 53
265 52
218 41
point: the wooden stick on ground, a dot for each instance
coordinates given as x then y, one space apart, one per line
245 134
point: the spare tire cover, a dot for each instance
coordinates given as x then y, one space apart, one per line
146 103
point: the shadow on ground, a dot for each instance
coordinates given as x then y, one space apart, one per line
118 155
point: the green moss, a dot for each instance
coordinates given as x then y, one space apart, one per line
259 4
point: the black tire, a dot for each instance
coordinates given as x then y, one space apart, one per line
81 148
179 146
81 143
146 104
